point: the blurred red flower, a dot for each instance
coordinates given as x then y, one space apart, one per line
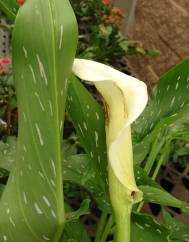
20 2
5 61
106 2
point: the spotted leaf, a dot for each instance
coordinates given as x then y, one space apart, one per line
7 153
169 104
160 196
78 169
88 119
145 228
32 202
179 230
74 230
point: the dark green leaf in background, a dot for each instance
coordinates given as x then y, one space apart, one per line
179 230
169 104
146 228
160 196
10 8
88 119
7 153
83 210
74 230
78 169
1 190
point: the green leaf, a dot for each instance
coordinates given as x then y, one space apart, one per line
83 210
7 153
31 207
1 190
182 151
169 104
88 119
160 196
74 230
181 131
153 192
3 174
68 148
10 8
179 230
78 169
146 228
142 178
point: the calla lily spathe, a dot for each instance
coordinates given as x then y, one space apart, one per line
125 98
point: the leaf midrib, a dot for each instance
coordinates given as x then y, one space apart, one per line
60 204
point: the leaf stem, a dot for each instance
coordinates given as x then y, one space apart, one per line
153 154
107 229
161 160
150 162
101 226
157 169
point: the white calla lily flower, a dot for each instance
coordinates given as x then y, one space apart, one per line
125 98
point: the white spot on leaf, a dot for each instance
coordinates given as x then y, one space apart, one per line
24 197
50 106
37 208
12 222
53 213
39 134
96 138
40 102
42 70
172 101
53 166
25 52
46 201
33 74
97 116
61 36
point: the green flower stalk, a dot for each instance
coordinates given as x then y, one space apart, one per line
124 98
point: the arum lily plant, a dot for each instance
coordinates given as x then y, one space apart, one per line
41 213
32 205
124 98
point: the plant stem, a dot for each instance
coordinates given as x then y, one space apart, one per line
157 169
159 164
101 226
161 160
153 154
107 229
140 206
150 162
123 225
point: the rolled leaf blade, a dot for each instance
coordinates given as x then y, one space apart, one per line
32 204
